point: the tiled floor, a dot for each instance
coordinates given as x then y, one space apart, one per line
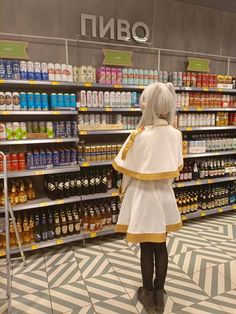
103 277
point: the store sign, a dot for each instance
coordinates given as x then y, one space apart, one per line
116 29
198 64
13 49
117 57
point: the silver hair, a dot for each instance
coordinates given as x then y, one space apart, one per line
158 101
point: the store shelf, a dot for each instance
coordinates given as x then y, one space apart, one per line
202 182
33 83
205 89
192 109
111 193
220 153
39 172
106 231
39 141
101 132
38 113
203 213
95 163
207 128
82 109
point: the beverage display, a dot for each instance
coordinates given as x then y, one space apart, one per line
86 74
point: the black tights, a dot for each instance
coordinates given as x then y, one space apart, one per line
151 252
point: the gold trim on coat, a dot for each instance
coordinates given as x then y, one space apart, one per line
147 176
130 142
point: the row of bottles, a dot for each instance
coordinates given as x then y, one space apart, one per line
206 198
93 181
62 221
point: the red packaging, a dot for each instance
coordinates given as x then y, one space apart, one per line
193 79
199 80
22 161
14 162
1 163
184 79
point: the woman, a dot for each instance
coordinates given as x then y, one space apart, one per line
149 160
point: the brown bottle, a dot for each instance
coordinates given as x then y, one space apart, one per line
109 215
103 216
19 229
57 225
31 192
13 196
76 221
92 225
71 227
31 227
12 235
86 220
26 232
22 195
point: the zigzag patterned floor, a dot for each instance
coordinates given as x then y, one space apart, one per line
103 277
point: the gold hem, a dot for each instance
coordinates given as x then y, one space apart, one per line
147 176
130 142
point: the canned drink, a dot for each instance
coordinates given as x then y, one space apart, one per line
35 126
23 130
180 79
9 131
50 129
67 156
86 119
37 71
30 70
119 76
44 71
160 76
98 153
57 72
23 70
49 157
175 78
128 99
76 74
16 131
123 99
2 69
30 101
42 158
145 77
55 158
37 101
118 118
100 99
103 118
113 76
69 73
60 99
42 127
62 129
97 119
16 70
118 99
101 75
134 99
83 98
108 76
44 101
130 76
16 101
54 100
68 129
92 119
8 101
30 160
155 76
125 76
3 134
64 73
51 72
113 100
89 99
87 154
61 156
29 126
140 77
8 69
165 77
80 119
66 100
2 101
73 101
73 156
150 77
95 99
36 156
136 77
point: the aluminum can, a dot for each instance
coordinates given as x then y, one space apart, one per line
68 129
42 127
51 72
57 72
30 101
2 69
2 101
73 156
37 71
8 69
9 131
66 101
44 71
54 100
60 99
42 158
16 131
8 101
74 128
130 76
119 76
62 129
100 99
37 101
67 155
49 157
50 129
30 70
70 73
89 99
23 130
73 101
23 70
44 101
16 101
16 70
30 160
62 156
64 73
95 99
55 158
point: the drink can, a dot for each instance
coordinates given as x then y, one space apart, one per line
113 76
89 99
155 76
83 98
16 131
42 127
23 130
118 118
92 119
49 157
8 69
60 99
37 71
73 101
123 99
29 126
175 78
136 77
67 155
128 99
119 76
8 101
102 75
86 119
62 128
130 76
125 76
100 99
16 70
113 100
9 131
30 70
68 129
2 69
160 76
103 118
145 77
55 158
69 73
35 126
118 99
44 101
30 160
36 156
140 77
44 71
73 156
108 75
30 101
61 156
106 99
134 99
3 134
180 79
97 120
54 100
42 158
50 129
165 77
23 70
150 77
37 101
66 100
57 72
51 72
95 99
2 101
80 119
16 101
64 73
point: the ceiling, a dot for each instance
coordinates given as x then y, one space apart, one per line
224 5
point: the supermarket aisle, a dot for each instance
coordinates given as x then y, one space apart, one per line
104 276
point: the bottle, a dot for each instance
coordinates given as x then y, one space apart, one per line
114 213
189 173
185 173
12 235
57 225
78 184
91 183
211 170
76 221
60 187
92 221
70 220
195 171
22 195
109 180
51 227
26 232
98 187
30 192
64 224
52 193
37 230
13 195
104 181
206 170
44 229
103 216
85 184
72 185
31 227
202 171
66 186
86 220
109 215
118 180
98 218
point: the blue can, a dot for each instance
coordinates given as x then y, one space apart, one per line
23 70
55 158
54 100
67 155
62 156
30 70
44 101
74 129
2 69
36 157
60 98
30 160
67 101
37 101
44 71
134 99
62 128
30 101
73 156
37 71
56 129
8 69
16 70
68 129
23 101
49 157
73 101
42 159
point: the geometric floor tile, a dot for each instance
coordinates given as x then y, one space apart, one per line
84 310
123 259
3 307
33 262
227 301
28 283
131 278
59 258
37 303
3 284
222 234
104 287
199 259
94 266
69 297
174 272
135 248
62 274
229 247
90 251
205 307
120 305
113 245
228 270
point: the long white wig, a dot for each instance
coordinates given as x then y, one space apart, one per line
157 101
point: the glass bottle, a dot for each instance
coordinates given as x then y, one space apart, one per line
66 186
109 179
44 228
13 195
31 227
51 227
76 221
91 183
57 225
26 232
31 192
13 241
92 225
37 229
98 179
85 184
64 224
60 188
71 227
22 195
78 184
104 181
72 185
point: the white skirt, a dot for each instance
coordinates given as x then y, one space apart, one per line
148 211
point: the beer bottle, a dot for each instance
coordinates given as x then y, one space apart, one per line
37 230
51 188
109 179
26 232
76 221
195 171
51 228
98 218
206 170
86 220
12 235
57 225
85 184
31 227
31 192
72 185
91 183
98 179
118 180
56 182
66 186
14 199
103 216
60 188
109 214
92 221
64 224
22 195
70 220
114 214
189 172
202 171
78 184
44 229
104 181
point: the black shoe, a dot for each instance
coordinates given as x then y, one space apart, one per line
159 296
146 298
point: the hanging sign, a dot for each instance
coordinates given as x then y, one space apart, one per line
198 64
117 57
13 49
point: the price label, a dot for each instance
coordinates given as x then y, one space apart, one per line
83 132
117 86
39 173
210 181
88 84
93 235
198 182
59 140
55 83
205 89
133 109
114 194
199 109
219 89
184 217
56 112
34 247
180 185
185 109
85 164
141 86
2 81
234 206
59 241
2 253
5 113
188 88
220 210
108 109
43 204
189 129
203 214
83 109
59 202
32 82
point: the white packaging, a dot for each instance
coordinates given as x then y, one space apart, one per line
89 70
64 73
37 67
69 73
51 72
44 67
113 99
83 98
107 99
86 119
100 99
58 72
89 98
23 66
30 66
97 119
123 102
2 131
128 101
8 101
76 74
80 119
92 119
118 99
95 99
2 101
16 101
23 130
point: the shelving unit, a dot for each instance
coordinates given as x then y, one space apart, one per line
40 141
100 132
39 113
207 128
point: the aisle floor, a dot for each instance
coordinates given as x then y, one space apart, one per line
103 277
